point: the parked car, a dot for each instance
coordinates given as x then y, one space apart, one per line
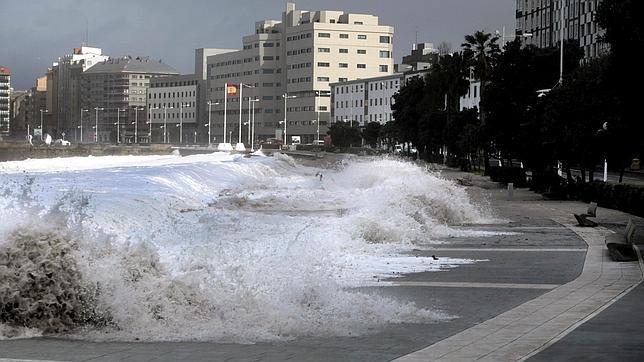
61 142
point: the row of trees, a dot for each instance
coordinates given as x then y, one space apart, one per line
590 116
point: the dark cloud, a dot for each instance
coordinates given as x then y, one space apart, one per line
33 34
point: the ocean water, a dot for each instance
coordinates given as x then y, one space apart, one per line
216 247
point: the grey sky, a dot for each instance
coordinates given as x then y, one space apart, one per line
34 33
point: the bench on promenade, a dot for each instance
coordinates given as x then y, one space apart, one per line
583 220
620 246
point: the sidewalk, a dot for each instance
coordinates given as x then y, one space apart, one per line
531 286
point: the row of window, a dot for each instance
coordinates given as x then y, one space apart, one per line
173 94
384 39
372 118
357 87
171 84
173 105
359 103
256 45
173 115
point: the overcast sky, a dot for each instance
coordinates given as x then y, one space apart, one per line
34 33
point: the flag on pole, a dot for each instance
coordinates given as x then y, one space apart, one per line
231 89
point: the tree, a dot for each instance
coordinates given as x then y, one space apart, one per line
371 133
344 134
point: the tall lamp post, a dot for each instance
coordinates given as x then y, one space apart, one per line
96 125
252 139
41 130
165 123
210 104
118 124
136 123
286 96
81 123
149 122
241 102
181 121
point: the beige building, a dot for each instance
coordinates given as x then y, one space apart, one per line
174 109
300 56
365 100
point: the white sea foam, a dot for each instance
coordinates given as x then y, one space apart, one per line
222 247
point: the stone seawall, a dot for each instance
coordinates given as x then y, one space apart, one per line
14 151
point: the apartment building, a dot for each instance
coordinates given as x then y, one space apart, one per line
299 56
174 109
541 20
64 89
5 103
365 100
116 92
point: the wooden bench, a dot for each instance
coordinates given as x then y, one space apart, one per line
582 219
620 246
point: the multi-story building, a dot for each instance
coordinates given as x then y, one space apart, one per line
541 19
5 93
365 100
299 56
64 93
473 97
422 56
116 92
174 109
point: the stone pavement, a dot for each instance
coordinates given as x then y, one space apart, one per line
530 287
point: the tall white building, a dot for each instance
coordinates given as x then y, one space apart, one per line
300 56
542 19
5 93
174 109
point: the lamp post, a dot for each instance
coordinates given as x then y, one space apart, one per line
165 123
210 103
41 130
118 124
252 139
285 96
136 123
149 122
81 123
181 121
241 102
317 109
96 120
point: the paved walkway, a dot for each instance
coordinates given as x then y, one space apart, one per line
533 326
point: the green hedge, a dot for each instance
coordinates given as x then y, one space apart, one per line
627 198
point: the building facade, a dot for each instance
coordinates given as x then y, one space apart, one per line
473 97
300 56
365 100
174 109
64 89
5 103
116 91
541 20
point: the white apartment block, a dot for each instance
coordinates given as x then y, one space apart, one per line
473 96
173 106
301 55
365 100
542 19
5 93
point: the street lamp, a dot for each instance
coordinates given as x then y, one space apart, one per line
286 96
81 123
136 123
165 123
149 122
96 120
241 101
118 124
41 130
252 139
210 103
317 121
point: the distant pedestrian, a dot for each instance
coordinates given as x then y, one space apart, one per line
319 174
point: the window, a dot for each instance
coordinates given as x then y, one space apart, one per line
362 51
343 65
362 37
344 36
323 64
342 79
385 39
384 68
344 51
324 35
267 57
267 71
362 66
358 23
385 54
268 45
324 50
323 79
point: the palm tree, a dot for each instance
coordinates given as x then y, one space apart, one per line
481 49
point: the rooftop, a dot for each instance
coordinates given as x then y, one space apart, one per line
128 64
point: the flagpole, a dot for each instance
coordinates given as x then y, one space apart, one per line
225 107
241 101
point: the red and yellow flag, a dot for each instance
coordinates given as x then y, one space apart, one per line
231 89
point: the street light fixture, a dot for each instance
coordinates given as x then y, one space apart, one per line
286 96
96 125
165 123
41 129
118 124
149 122
241 102
210 104
136 122
252 139
81 123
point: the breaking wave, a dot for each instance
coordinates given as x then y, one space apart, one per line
215 247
